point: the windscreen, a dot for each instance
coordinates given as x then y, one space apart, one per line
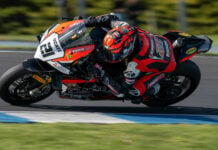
75 36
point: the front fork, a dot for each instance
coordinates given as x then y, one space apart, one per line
44 83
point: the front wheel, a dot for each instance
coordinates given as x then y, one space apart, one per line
177 86
20 87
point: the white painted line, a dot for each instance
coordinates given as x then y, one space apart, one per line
73 117
104 118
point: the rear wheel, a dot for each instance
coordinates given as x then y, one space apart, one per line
177 86
19 87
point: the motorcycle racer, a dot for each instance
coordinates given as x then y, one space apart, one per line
148 58
80 63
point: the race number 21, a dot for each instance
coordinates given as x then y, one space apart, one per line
46 50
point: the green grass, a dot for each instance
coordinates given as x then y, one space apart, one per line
18 38
66 136
214 38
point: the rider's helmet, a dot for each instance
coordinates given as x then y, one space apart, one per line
119 43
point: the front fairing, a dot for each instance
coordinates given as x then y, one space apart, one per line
60 45
49 49
54 42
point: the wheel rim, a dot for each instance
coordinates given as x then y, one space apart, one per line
174 90
21 87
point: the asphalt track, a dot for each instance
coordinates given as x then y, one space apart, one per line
203 101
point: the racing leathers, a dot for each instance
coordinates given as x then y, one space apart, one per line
151 58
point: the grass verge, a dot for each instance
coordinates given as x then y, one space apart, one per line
30 38
69 136
214 38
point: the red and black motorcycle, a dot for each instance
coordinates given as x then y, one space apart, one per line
63 52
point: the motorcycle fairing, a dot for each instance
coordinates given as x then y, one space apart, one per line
52 45
73 54
192 45
187 57
59 67
42 36
59 45
205 47
60 28
49 49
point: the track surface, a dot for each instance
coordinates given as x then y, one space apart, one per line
203 101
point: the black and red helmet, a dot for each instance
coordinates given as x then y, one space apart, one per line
119 43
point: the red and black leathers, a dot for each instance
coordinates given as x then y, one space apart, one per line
151 58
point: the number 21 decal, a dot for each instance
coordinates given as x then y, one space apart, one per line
46 50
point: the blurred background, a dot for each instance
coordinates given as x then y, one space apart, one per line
30 17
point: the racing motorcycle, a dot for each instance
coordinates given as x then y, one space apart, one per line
62 54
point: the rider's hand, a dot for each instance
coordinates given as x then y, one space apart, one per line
94 71
100 56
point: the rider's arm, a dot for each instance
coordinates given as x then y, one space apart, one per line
107 21
97 71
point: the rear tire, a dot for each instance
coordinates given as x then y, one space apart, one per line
187 69
10 77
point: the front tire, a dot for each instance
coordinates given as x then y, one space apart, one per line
187 75
16 83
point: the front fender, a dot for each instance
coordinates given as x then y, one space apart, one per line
36 65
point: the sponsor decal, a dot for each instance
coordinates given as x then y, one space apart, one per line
56 45
59 67
191 50
184 34
69 57
82 49
78 50
55 64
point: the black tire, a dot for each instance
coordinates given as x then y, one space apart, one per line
8 78
187 69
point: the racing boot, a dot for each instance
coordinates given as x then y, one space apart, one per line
135 97
154 90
